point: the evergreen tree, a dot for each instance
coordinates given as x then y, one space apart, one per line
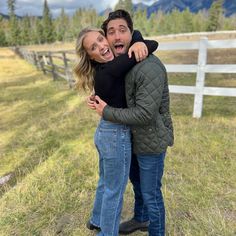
62 24
25 31
215 13
187 21
39 37
3 41
47 24
126 5
140 21
14 28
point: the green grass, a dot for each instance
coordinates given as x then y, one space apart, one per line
47 144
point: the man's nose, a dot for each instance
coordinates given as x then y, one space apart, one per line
117 35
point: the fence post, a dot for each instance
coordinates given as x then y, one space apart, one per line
52 65
200 80
67 70
41 62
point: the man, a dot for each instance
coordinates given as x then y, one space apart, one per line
148 115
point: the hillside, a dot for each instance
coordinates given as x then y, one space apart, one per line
194 6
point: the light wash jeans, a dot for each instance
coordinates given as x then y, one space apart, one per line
114 147
146 173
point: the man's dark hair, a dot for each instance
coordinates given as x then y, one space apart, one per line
118 14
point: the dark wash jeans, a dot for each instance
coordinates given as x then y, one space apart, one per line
113 143
146 172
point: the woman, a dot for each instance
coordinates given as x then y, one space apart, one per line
98 69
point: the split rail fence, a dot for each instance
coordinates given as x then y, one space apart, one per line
57 63
48 62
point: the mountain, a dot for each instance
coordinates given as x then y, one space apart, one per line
193 5
7 17
4 16
230 7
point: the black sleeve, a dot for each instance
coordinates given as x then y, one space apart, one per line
122 64
136 37
152 45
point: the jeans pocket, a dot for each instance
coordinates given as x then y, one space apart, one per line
107 142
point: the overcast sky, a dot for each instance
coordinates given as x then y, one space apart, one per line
35 7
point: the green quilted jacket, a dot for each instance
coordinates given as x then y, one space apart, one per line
148 114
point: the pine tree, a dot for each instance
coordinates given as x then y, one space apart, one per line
3 41
215 13
25 31
47 24
14 28
126 5
39 37
62 24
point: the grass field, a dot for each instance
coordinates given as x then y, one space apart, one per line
46 143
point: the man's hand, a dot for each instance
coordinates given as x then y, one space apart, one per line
140 51
91 101
99 105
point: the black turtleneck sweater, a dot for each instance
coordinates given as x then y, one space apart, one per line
110 77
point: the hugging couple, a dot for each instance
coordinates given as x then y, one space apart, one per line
131 95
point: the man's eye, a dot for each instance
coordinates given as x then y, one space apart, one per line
111 32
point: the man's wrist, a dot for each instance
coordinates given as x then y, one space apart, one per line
105 112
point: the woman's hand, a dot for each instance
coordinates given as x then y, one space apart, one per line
99 105
91 102
140 51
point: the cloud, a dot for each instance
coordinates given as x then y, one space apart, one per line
32 7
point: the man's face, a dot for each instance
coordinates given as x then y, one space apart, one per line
118 36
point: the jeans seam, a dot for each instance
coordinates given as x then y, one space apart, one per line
120 194
156 200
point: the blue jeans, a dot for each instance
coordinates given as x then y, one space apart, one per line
145 174
114 147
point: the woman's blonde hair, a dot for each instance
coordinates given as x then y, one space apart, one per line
84 69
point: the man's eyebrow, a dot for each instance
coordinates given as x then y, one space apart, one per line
120 26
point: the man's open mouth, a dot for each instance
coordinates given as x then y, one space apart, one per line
119 47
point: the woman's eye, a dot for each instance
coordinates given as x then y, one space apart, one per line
100 39
93 48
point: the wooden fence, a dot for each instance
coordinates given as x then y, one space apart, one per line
57 63
48 63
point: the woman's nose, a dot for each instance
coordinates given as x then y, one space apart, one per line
101 46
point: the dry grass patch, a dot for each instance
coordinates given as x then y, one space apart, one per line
47 143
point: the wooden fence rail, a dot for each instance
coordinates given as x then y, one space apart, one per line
48 63
57 63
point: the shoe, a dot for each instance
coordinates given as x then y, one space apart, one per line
90 226
132 225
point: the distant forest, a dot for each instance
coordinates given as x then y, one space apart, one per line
29 30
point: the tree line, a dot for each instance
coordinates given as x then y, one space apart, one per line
46 29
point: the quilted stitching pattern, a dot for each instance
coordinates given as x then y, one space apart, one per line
150 81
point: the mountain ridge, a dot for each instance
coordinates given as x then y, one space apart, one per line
194 6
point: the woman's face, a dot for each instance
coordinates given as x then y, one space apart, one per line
97 47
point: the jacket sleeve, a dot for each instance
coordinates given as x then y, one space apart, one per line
149 89
120 65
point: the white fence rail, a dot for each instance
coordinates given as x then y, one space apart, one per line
44 61
199 90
